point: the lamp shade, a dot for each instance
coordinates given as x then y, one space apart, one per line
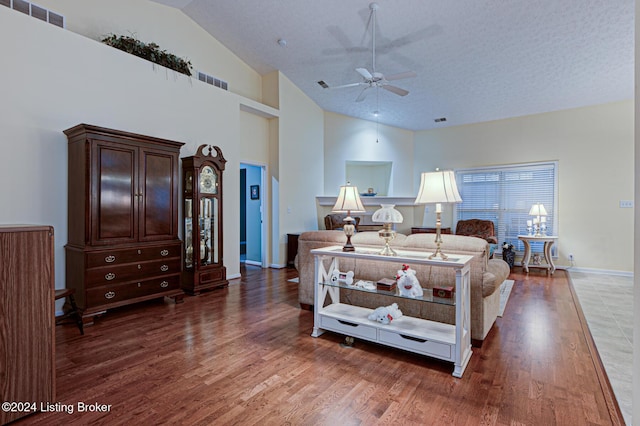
438 187
387 214
348 200
537 210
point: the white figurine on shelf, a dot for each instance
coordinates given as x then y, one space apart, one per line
385 314
345 277
408 284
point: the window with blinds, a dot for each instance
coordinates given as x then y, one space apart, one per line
505 195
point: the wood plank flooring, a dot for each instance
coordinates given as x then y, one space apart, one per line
244 355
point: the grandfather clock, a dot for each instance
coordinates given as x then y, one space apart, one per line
202 199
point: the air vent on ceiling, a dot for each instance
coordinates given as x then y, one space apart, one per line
209 79
440 120
35 11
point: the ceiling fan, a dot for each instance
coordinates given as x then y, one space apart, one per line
374 79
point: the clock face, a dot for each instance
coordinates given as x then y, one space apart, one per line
208 181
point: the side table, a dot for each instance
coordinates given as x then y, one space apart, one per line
548 241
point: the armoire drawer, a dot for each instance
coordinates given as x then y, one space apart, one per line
130 255
132 271
118 292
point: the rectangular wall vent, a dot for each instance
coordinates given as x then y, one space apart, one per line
209 79
36 11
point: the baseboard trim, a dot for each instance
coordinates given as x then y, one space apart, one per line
609 396
253 262
277 266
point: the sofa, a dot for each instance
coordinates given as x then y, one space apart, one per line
486 275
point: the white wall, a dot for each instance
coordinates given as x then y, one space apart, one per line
166 26
300 163
594 149
350 139
59 79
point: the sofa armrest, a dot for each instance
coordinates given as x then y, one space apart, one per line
489 285
500 269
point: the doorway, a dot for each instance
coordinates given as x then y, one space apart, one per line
252 193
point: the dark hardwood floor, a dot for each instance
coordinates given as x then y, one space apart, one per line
244 355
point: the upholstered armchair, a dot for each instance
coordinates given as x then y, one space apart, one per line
479 228
336 221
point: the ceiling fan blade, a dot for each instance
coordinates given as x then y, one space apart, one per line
347 85
400 76
396 90
365 73
324 85
363 94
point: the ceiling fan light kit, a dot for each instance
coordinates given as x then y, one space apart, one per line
374 79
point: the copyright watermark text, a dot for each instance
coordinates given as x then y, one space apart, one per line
55 407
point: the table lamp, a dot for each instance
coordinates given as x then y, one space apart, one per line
388 216
539 212
348 201
438 187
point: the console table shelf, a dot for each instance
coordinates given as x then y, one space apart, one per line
444 341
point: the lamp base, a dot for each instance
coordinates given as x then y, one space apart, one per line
387 234
438 241
387 251
349 230
438 253
348 246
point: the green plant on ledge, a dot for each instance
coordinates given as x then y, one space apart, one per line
150 52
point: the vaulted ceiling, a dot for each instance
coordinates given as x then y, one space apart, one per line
474 60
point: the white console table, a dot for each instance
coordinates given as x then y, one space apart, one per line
443 341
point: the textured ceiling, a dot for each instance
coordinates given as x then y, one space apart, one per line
475 60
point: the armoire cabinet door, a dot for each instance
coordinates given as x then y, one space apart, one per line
115 192
159 190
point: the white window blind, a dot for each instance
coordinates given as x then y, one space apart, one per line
505 194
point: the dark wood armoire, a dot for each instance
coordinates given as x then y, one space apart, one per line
123 244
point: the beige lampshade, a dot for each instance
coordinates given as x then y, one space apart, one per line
348 200
387 214
438 187
537 210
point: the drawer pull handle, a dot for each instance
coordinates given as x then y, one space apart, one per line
110 259
164 252
139 251
348 323
110 276
164 268
415 339
164 284
110 295
139 285
139 266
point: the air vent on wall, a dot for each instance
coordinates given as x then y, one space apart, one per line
209 79
35 11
